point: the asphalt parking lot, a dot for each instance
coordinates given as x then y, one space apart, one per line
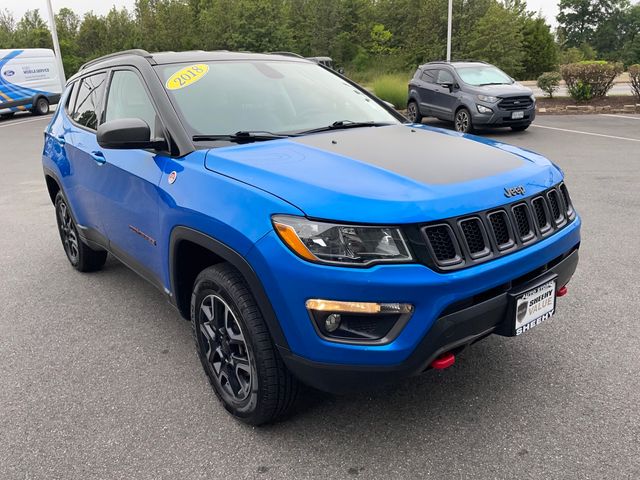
99 378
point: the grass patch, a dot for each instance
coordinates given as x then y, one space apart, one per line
391 88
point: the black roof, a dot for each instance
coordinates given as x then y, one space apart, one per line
161 58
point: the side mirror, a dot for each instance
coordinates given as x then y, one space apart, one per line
447 85
127 133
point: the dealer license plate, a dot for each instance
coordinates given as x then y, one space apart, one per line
535 306
517 115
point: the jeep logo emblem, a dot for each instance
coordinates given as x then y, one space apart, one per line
513 191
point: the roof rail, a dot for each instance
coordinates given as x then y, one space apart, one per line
287 54
457 60
135 51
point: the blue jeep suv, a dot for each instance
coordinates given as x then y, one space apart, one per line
304 228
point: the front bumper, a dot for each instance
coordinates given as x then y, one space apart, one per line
289 281
450 333
501 118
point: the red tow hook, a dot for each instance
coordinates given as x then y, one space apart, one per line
443 361
562 291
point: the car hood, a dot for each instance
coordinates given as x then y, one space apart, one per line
513 90
392 174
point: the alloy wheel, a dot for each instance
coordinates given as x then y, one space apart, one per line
68 232
224 348
462 121
412 112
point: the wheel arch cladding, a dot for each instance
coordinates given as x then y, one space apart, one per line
191 251
53 187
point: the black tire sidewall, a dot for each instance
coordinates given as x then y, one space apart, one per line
60 198
203 288
470 124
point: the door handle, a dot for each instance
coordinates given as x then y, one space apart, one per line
60 139
98 156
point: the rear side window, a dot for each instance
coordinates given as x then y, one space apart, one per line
89 100
71 97
128 98
429 76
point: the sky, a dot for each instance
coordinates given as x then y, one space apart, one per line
548 8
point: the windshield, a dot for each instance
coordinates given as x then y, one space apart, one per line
483 75
222 98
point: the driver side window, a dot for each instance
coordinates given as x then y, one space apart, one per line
444 76
128 99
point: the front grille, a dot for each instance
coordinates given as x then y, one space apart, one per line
523 222
474 236
566 200
515 103
500 228
540 210
457 243
554 203
441 240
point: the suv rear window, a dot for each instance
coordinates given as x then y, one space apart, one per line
89 101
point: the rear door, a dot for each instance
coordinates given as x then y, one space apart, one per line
79 137
127 194
423 84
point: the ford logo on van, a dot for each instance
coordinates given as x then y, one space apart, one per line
9 73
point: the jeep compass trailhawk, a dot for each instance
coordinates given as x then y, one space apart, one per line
307 232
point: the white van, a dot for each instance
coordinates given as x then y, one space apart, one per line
29 80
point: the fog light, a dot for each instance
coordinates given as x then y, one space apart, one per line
483 109
332 322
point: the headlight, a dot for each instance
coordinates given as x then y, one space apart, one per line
487 98
483 109
341 244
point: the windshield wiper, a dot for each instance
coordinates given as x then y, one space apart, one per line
493 83
243 136
343 125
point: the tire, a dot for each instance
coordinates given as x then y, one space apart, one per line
7 116
520 128
81 257
236 350
41 106
413 112
462 121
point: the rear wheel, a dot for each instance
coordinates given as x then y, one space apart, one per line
462 122
413 112
236 350
80 255
41 106
520 128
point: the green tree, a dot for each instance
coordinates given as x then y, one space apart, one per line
498 39
32 31
7 29
539 47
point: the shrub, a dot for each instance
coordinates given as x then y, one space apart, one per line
634 76
392 88
590 79
549 82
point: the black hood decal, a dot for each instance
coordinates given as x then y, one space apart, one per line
426 156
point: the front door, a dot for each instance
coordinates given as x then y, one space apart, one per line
128 197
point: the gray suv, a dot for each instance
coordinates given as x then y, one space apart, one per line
469 94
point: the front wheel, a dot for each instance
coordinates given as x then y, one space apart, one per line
41 107
413 112
520 128
462 122
236 350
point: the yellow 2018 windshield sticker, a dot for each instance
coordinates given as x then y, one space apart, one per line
187 76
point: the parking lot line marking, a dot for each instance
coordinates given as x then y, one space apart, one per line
588 133
620 116
20 122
